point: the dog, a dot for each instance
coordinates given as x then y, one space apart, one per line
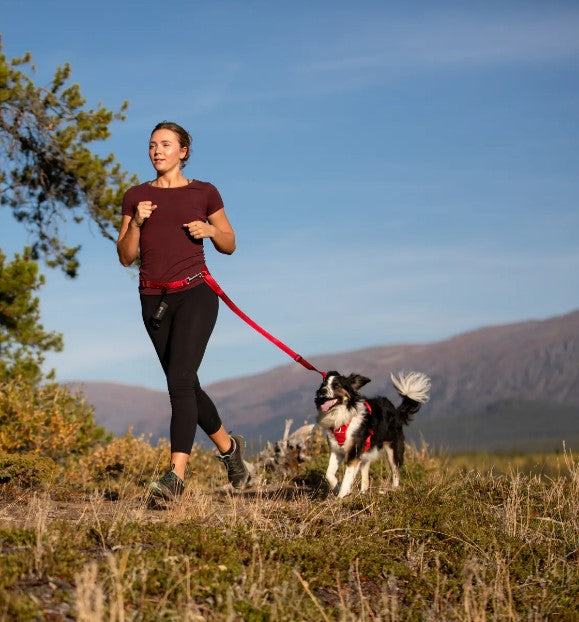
359 429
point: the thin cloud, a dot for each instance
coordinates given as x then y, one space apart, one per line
449 42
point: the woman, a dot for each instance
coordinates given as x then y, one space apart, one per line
165 222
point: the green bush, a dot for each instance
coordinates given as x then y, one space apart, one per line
26 470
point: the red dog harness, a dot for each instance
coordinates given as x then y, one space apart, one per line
340 433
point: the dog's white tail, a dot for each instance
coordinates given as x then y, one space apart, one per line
414 385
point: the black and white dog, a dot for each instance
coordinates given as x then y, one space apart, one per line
359 429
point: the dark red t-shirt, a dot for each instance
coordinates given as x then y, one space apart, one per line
168 252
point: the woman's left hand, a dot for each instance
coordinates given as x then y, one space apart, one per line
199 229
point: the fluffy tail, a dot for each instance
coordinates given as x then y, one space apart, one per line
414 388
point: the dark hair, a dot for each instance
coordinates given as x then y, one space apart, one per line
185 139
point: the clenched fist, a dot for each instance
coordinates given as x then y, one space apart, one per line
199 229
143 210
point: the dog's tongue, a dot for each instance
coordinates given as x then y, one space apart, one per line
327 405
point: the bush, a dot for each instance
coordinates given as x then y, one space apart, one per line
46 419
26 470
133 458
128 456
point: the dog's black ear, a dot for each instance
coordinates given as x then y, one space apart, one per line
357 382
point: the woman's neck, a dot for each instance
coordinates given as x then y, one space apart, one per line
171 180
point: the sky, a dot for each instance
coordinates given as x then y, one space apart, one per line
394 172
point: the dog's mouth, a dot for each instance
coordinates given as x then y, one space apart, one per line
325 405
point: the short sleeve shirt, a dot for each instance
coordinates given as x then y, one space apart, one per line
168 253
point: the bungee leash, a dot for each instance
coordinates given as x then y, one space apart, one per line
298 358
214 285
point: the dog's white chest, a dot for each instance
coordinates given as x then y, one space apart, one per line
342 437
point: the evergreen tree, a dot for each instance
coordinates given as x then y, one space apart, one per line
23 339
48 176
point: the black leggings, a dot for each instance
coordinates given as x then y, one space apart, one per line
180 341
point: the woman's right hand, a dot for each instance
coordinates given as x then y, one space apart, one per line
143 210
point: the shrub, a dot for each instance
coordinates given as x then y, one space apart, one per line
128 456
46 419
26 470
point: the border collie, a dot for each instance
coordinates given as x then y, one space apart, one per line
358 428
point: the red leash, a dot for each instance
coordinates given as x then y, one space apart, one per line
214 285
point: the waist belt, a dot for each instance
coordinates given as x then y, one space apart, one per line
170 284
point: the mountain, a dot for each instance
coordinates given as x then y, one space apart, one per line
520 372
120 406
506 426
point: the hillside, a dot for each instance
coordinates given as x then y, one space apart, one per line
508 426
450 544
535 362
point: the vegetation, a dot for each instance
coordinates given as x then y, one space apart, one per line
79 538
23 340
47 420
451 544
48 176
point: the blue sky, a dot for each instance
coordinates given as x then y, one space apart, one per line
395 172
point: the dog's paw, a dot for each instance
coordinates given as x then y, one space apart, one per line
345 491
333 483
385 489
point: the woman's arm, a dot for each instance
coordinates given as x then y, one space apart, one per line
130 232
218 229
128 241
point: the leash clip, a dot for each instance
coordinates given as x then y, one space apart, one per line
191 278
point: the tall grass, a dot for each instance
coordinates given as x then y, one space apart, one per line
451 544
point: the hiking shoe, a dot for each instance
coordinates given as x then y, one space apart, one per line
237 473
170 487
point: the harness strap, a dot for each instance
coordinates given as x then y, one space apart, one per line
340 433
219 291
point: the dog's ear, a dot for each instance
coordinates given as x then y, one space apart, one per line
357 382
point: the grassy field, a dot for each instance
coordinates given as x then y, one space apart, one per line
462 539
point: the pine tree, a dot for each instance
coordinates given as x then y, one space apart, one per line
23 339
48 176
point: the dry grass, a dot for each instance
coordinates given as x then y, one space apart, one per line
451 544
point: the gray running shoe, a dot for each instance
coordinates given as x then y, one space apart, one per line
237 473
170 487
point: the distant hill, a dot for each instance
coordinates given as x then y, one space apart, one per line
490 387
506 426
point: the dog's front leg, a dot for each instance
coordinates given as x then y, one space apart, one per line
349 477
331 471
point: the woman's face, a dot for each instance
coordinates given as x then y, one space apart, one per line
165 151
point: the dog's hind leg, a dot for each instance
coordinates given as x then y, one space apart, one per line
331 471
395 473
349 477
365 473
